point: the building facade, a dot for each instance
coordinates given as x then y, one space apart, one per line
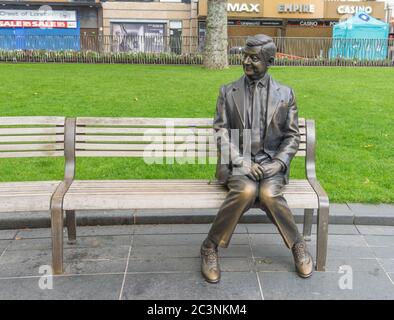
152 26
84 15
288 18
176 26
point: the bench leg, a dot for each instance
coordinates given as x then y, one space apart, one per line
308 219
71 227
57 240
322 237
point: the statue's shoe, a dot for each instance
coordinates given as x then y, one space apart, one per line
210 264
302 259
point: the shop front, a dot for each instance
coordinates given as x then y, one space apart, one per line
160 26
288 18
87 15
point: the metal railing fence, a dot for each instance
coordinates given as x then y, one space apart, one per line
189 50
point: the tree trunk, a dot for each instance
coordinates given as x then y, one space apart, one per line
215 51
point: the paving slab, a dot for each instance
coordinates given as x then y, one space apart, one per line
357 264
3 245
82 242
344 240
82 231
19 263
186 251
184 239
387 264
376 230
201 228
369 214
177 286
325 285
380 241
184 264
85 287
348 252
339 214
383 252
7 234
391 276
332 228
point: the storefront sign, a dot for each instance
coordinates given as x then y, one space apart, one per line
312 23
236 8
354 9
36 24
267 23
243 7
38 19
296 8
337 9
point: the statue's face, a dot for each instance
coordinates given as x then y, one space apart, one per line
253 63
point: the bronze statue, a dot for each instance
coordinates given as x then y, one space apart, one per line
264 114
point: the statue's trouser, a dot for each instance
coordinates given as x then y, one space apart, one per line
242 194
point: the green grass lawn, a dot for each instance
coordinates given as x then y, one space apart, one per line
353 109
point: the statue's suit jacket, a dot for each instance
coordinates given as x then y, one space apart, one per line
282 136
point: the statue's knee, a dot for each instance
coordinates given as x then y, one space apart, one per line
248 192
266 196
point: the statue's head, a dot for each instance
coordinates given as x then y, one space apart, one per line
259 53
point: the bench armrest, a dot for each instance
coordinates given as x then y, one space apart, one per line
310 164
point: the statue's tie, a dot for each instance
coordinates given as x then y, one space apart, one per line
256 123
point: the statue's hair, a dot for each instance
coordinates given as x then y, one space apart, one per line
268 47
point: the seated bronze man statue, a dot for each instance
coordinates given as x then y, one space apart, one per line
256 124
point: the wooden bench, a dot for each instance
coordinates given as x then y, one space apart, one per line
132 137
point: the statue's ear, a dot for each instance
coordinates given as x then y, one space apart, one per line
271 61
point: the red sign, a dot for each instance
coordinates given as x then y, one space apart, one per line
36 24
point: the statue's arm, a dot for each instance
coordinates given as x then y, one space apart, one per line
222 131
291 135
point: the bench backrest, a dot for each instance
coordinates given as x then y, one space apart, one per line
130 137
31 137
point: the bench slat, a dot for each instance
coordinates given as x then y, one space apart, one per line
32 146
96 121
142 147
149 139
31 154
167 194
108 121
38 195
148 131
53 138
31 120
143 131
30 131
140 154
144 139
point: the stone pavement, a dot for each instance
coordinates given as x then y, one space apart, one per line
162 262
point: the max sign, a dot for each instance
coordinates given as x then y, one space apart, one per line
243 7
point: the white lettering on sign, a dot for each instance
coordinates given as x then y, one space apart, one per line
243 7
354 9
309 23
296 8
38 15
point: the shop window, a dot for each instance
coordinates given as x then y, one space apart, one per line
176 36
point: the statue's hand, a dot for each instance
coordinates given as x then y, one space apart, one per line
254 171
271 168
